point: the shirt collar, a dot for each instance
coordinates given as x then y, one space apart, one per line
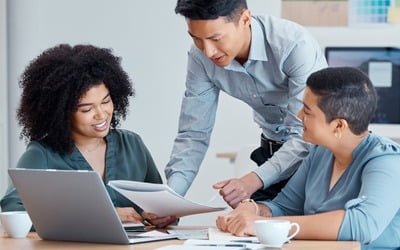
257 46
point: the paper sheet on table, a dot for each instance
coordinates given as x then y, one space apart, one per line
149 236
189 247
184 234
218 235
159 199
210 244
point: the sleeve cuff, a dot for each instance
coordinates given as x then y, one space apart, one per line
267 173
178 184
274 209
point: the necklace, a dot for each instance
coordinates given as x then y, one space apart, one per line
87 150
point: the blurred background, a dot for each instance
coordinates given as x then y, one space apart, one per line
153 42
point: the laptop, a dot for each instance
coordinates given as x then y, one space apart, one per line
72 206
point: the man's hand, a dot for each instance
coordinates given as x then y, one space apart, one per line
128 214
159 222
235 190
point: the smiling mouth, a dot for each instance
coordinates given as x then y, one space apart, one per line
217 59
101 124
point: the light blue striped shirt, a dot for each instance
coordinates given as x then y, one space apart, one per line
367 191
272 81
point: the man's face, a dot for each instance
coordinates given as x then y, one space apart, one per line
221 40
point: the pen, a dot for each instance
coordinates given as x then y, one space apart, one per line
246 241
221 245
147 222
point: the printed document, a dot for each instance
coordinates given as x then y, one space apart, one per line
159 199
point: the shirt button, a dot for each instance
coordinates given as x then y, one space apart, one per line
254 95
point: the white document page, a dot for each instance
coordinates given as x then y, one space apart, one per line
149 236
159 199
217 235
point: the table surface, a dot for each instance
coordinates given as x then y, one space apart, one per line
33 241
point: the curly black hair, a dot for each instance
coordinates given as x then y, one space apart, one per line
54 82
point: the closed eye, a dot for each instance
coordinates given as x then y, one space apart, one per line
305 112
85 110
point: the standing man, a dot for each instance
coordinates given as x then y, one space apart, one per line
261 60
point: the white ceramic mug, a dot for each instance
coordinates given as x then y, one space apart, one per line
274 232
16 223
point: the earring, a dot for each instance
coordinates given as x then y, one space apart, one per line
338 135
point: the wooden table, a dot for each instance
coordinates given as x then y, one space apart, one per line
34 242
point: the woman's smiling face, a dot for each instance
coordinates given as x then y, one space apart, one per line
93 115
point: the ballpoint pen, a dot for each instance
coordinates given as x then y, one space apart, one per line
221 245
146 221
246 241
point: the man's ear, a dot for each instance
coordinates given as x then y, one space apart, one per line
245 17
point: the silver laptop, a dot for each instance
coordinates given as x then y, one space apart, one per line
71 206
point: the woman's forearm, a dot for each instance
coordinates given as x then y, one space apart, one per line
322 226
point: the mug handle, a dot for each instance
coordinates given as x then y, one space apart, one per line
295 233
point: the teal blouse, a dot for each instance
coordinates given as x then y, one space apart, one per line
127 158
367 191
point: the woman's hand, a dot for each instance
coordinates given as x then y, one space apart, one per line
241 225
128 214
159 222
240 221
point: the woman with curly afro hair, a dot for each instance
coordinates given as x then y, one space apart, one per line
72 101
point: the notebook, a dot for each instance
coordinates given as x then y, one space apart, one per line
72 206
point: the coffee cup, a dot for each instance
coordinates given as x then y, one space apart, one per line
274 233
16 223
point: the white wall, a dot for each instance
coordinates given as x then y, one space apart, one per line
152 40
3 100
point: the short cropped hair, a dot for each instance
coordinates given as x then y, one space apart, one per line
54 82
210 9
345 93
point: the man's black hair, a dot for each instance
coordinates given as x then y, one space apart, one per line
210 9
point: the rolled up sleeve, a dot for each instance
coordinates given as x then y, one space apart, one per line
378 202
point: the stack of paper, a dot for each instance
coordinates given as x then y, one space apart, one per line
217 235
159 199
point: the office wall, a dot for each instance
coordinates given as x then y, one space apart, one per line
152 41
3 100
